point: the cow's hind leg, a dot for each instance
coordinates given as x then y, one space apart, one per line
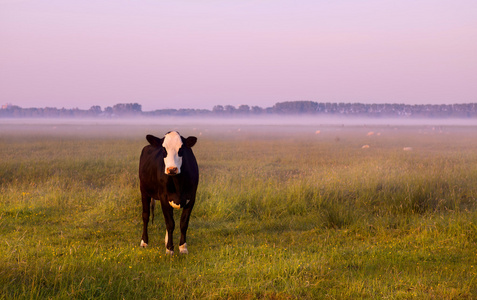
146 211
168 213
184 225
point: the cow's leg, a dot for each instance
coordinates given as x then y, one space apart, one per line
146 211
168 212
184 225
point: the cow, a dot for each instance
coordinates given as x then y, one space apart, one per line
168 172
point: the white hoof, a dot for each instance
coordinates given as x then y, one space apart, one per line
183 249
144 245
169 252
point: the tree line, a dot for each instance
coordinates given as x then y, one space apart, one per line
465 110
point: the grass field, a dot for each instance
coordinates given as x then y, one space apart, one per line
281 213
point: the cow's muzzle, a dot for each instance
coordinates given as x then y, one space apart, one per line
172 171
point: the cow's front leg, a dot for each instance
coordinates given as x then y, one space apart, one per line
146 211
184 225
168 212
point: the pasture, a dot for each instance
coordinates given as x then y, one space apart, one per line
281 213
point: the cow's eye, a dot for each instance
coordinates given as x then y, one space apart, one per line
164 151
181 151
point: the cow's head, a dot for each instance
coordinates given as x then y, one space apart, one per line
173 149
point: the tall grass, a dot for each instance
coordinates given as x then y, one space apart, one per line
279 214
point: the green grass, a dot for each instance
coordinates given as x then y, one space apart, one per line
280 214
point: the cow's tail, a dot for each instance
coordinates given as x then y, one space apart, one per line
153 204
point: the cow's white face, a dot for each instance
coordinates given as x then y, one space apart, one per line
173 161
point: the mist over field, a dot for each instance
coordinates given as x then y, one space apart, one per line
240 120
370 130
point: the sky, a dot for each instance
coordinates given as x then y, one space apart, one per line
198 54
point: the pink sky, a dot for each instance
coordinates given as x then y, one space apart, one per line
197 54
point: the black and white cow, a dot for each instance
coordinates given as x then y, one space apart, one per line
168 172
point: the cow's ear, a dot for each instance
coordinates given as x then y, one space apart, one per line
154 141
190 141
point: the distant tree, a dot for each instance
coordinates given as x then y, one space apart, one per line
218 109
296 107
230 109
127 108
96 109
244 109
108 110
136 107
257 110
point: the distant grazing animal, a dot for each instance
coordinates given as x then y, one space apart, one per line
168 172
